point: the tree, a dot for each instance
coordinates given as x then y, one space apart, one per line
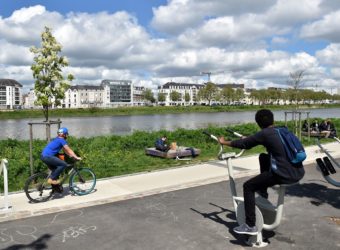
50 84
228 94
187 97
295 80
209 92
161 97
239 94
148 95
175 96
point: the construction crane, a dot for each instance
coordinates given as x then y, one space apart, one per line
208 73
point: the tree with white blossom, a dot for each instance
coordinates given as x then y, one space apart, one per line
50 84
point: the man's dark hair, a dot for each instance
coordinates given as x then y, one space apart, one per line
264 118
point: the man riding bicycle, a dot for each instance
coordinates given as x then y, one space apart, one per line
49 155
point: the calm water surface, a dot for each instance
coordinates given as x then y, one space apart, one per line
120 125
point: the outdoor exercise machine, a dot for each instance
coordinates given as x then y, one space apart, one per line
268 215
325 165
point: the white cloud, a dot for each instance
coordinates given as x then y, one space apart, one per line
12 54
290 12
279 40
336 74
327 28
180 15
227 31
25 14
26 31
330 55
237 37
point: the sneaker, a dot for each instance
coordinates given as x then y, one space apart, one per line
53 182
245 229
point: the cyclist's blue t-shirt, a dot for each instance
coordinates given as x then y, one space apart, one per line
54 147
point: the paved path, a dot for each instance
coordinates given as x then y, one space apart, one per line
199 218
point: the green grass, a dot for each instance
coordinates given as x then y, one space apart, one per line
119 155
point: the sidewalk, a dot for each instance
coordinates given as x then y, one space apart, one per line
139 185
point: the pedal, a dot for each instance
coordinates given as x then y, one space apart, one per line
322 166
57 188
329 165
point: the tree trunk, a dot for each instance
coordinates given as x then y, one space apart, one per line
45 110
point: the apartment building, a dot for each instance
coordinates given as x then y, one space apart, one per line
29 100
182 88
10 94
190 89
117 92
138 95
110 93
84 96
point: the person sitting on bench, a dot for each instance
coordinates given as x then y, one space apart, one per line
161 145
305 126
324 129
331 127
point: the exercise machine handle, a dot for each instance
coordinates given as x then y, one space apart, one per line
234 133
210 135
216 139
221 146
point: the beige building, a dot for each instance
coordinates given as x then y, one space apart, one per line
84 96
183 89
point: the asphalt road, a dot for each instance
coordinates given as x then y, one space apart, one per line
199 218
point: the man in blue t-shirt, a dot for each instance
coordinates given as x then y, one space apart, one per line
48 155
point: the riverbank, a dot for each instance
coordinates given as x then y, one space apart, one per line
120 155
146 110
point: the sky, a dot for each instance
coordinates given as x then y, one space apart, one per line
258 43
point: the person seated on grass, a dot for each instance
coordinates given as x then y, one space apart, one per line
50 152
161 144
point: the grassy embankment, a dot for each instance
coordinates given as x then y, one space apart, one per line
18 114
119 155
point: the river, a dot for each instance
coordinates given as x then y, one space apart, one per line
121 125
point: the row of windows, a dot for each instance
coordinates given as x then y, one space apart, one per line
182 87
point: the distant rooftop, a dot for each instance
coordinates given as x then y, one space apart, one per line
171 84
82 87
10 82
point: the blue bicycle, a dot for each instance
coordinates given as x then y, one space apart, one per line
82 181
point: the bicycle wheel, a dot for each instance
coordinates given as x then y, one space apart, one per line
82 181
37 189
